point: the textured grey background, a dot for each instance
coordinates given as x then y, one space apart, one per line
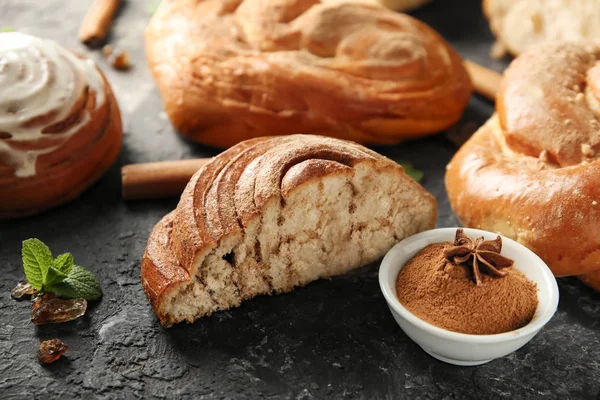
331 339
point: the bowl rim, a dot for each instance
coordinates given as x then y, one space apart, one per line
534 326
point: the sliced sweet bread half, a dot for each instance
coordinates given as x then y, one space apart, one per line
270 214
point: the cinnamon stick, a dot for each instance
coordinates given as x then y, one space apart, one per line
158 179
485 81
97 21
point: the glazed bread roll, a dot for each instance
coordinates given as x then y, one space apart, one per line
233 70
532 172
521 24
274 213
60 127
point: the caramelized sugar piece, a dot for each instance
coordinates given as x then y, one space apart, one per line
51 350
22 290
48 309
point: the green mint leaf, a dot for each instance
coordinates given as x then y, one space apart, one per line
7 29
63 263
53 276
63 289
37 258
82 283
60 275
410 170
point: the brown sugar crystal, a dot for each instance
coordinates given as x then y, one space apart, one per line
51 350
445 294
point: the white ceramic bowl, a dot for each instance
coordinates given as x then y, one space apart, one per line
460 348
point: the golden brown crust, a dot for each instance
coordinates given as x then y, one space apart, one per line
64 173
531 172
225 196
233 70
309 170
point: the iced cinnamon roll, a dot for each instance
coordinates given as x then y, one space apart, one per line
60 125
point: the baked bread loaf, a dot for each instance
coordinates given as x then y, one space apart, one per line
532 172
521 24
274 213
60 126
238 69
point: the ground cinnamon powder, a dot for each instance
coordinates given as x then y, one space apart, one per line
444 294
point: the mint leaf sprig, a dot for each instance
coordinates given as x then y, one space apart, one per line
58 275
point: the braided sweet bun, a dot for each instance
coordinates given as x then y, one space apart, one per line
532 172
237 69
60 126
271 214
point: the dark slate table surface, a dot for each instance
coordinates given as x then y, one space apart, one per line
331 339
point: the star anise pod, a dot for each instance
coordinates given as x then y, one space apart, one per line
485 254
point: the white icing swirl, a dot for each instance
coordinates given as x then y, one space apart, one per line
40 78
